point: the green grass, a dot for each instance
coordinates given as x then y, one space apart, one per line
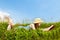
23 34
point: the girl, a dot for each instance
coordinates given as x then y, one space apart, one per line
37 22
4 17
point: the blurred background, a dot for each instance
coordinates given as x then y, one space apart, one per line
27 10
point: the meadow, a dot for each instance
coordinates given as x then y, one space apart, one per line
24 34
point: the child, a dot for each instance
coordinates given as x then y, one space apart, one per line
4 17
10 24
37 23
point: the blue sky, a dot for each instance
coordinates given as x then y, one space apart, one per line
47 10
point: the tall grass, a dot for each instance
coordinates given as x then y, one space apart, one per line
23 34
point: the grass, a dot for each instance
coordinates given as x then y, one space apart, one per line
23 34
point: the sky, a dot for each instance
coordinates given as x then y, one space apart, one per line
47 10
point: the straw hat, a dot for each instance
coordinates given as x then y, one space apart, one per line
38 20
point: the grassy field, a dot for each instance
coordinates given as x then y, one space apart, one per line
23 34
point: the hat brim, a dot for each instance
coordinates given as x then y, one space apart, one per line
38 21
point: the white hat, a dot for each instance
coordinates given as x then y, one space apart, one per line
4 14
38 20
